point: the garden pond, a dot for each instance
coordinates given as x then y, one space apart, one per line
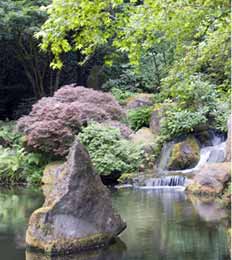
161 225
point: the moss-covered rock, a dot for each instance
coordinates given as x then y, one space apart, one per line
211 179
126 178
184 155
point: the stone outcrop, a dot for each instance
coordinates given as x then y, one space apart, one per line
156 116
143 136
139 100
77 213
155 122
210 179
228 142
54 121
184 154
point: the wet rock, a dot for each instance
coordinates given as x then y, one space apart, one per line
228 142
210 179
77 213
205 137
139 100
184 154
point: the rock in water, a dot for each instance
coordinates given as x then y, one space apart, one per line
211 179
77 213
184 155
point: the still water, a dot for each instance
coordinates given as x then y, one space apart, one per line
162 225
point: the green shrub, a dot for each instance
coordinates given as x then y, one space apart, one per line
110 153
140 117
18 166
220 116
8 135
191 92
179 122
121 95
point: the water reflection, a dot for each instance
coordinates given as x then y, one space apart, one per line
209 209
16 206
113 252
162 225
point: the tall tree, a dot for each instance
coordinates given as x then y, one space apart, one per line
197 29
19 20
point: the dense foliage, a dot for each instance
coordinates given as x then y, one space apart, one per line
109 152
17 165
176 50
139 117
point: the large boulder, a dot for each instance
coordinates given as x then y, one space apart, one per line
210 179
139 100
228 142
54 121
77 213
184 154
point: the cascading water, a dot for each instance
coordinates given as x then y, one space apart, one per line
169 181
209 154
177 179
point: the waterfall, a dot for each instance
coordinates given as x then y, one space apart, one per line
176 182
210 154
178 179
166 181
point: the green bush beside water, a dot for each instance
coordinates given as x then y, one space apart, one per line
110 153
18 166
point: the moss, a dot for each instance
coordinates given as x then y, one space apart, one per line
184 155
126 178
67 246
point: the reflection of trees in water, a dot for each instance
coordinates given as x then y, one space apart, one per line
16 206
161 225
166 225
